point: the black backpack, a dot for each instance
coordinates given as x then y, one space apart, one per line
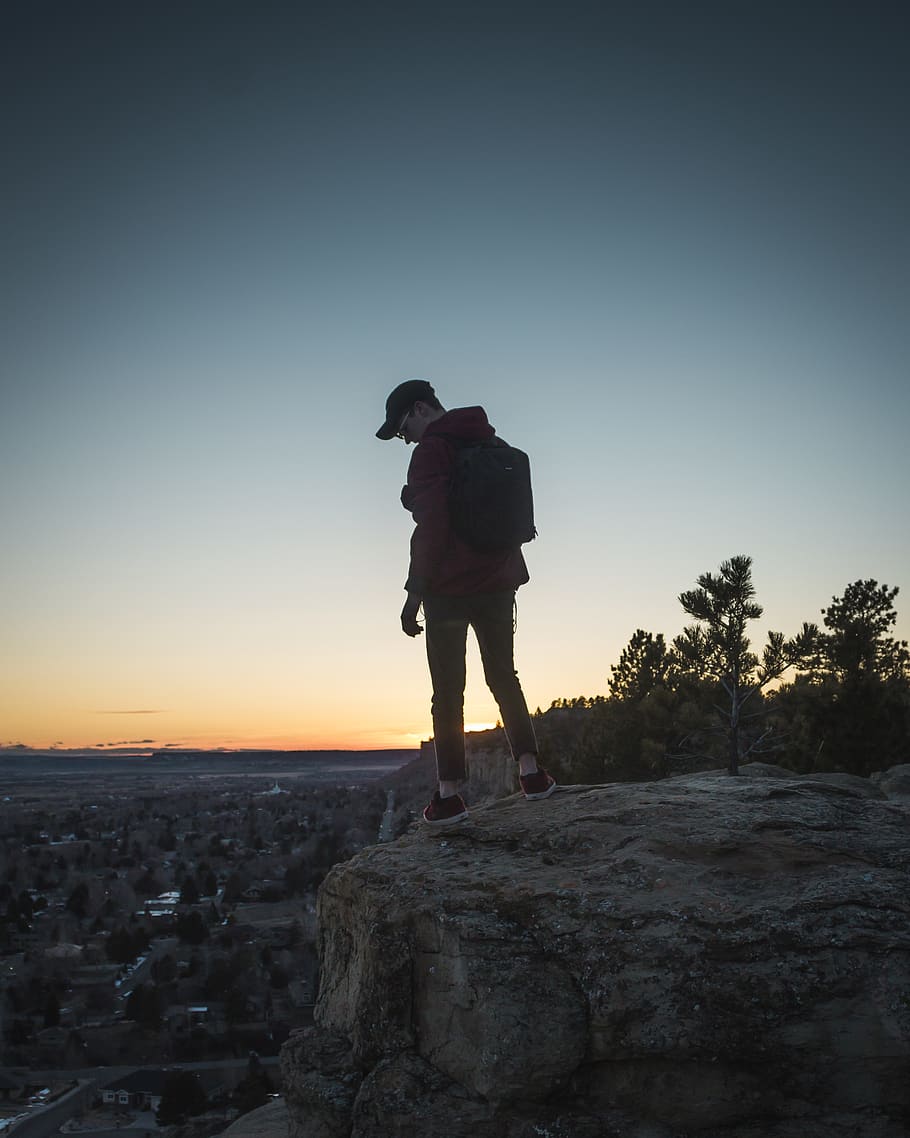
490 503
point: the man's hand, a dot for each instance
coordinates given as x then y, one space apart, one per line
409 613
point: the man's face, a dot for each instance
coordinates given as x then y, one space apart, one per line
414 423
402 432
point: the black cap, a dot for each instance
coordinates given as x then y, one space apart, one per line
404 396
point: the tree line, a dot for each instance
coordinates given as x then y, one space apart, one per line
833 697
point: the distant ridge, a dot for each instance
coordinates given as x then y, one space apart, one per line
24 765
291 756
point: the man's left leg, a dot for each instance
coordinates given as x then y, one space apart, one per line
492 621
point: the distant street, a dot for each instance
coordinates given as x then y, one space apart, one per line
46 1121
138 974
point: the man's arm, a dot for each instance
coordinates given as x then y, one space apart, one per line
426 495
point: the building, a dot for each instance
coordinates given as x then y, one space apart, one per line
142 1090
139 1091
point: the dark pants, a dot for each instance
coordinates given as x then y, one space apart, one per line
446 621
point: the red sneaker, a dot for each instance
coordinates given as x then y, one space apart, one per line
445 811
537 785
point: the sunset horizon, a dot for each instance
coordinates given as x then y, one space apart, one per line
363 741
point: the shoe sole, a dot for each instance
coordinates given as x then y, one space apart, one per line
542 793
442 822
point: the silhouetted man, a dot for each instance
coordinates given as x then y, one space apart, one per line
458 586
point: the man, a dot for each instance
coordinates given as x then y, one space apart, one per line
458 586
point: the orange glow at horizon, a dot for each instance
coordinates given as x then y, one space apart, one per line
367 740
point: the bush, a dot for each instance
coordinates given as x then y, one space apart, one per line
182 1097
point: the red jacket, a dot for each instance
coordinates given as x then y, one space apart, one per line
440 561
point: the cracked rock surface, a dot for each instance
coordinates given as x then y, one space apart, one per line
704 955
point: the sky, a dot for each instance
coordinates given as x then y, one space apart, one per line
666 245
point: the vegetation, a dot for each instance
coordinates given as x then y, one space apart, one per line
835 698
255 1089
182 1097
850 708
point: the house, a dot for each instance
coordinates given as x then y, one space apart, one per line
142 1090
139 1091
183 1019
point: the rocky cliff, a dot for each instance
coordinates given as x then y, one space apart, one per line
705 955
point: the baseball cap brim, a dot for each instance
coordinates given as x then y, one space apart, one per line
404 396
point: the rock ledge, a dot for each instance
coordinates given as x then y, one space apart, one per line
727 958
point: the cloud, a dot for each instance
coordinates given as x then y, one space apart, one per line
126 743
149 711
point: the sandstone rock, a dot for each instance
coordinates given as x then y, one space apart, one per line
711 956
269 1121
853 783
894 783
320 1078
492 772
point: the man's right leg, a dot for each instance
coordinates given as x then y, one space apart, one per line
446 638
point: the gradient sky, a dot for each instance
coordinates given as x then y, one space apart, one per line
666 245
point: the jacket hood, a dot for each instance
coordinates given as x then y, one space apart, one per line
469 423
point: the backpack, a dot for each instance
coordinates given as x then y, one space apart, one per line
490 502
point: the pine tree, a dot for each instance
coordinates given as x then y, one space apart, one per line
717 648
850 710
644 664
857 644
